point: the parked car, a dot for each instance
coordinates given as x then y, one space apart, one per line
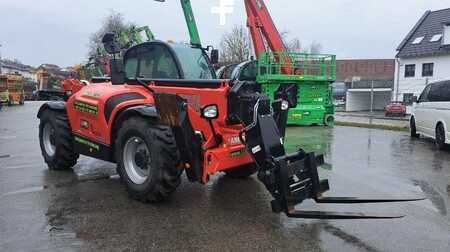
430 115
395 109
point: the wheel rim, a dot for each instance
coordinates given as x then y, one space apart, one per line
48 138
136 159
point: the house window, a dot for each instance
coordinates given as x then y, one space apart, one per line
436 38
418 40
427 69
410 71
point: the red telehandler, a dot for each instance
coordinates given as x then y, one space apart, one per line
163 113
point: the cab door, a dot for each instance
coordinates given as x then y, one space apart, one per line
420 110
439 107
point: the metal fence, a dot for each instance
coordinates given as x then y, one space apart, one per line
368 84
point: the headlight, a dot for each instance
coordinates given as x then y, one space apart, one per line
284 105
210 112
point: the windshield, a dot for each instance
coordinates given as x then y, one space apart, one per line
193 62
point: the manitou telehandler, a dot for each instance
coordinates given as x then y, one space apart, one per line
164 113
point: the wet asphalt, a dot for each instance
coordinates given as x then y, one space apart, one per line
88 209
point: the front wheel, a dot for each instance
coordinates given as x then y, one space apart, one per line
412 128
56 141
440 137
147 160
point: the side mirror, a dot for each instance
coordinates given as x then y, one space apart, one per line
214 56
117 72
109 44
414 99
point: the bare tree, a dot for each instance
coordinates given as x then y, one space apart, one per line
114 22
292 45
235 46
295 45
315 48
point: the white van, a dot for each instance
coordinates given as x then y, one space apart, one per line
430 115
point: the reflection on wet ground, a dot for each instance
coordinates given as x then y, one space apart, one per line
88 209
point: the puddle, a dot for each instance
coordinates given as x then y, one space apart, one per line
92 169
25 190
348 238
14 167
433 196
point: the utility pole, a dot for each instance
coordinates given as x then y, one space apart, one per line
0 58
397 91
371 99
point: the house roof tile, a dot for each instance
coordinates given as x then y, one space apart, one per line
430 24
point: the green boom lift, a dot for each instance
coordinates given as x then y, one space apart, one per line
190 21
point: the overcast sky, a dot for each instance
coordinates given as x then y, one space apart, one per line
57 31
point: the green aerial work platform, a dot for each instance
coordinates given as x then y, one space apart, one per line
313 73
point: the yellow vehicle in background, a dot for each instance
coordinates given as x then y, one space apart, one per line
12 89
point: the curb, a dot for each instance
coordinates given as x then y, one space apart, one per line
371 126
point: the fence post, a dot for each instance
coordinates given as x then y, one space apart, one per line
371 99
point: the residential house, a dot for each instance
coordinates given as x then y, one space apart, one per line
423 55
15 67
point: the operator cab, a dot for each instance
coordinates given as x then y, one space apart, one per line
226 71
158 60
245 71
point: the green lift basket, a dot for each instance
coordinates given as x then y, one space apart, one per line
313 73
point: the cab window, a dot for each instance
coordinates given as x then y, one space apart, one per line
439 92
424 96
194 63
151 62
249 72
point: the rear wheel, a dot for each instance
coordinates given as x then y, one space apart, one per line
412 128
329 120
147 160
241 172
56 141
440 137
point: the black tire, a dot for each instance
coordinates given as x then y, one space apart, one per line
412 128
242 172
64 156
162 160
440 137
328 120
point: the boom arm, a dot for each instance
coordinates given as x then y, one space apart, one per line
262 28
190 21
